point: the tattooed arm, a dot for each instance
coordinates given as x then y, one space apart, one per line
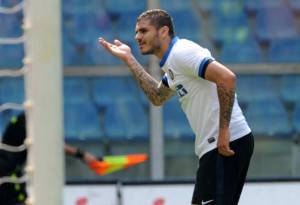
156 91
225 81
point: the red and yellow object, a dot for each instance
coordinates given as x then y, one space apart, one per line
110 164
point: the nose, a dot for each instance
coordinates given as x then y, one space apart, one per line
138 37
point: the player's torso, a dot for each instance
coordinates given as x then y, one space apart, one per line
197 96
192 90
199 99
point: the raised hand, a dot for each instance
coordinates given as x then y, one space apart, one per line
118 49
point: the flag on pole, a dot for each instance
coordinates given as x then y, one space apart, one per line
110 164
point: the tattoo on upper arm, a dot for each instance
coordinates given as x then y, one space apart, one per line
156 92
226 99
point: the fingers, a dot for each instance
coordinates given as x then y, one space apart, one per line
104 43
116 48
227 152
117 42
224 143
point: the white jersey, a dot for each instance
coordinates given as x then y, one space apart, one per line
184 65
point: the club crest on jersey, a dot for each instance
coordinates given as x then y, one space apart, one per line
171 74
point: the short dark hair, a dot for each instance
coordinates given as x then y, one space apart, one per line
159 18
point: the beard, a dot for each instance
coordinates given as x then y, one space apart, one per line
151 50
153 46
148 52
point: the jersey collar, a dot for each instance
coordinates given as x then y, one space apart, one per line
165 56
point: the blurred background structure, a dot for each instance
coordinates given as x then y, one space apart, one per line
106 113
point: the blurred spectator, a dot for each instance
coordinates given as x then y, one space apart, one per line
12 163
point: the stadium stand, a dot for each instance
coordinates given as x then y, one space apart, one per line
73 6
227 7
249 52
102 22
295 5
140 96
76 22
289 89
175 122
116 7
126 121
10 3
100 92
176 5
10 25
284 50
11 56
252 88
229 22
205 6
76 90
126 26
74 42
230 28
12 90
114 125
254 5
269 118
76 54
275 23
106 91
81 122
296 118
183 26
80 47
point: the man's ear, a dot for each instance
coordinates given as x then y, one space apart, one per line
164 31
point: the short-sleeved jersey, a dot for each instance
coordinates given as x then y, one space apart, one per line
184 64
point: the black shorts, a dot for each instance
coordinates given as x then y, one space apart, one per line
220 179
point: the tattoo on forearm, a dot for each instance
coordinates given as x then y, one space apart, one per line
148 83
226 99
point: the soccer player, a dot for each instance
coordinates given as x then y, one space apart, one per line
206 90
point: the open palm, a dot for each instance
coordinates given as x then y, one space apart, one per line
118 49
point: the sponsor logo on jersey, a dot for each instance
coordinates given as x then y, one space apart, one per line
211 140
181 91
171 74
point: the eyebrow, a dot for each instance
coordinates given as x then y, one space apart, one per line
141 29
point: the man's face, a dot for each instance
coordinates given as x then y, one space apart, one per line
147 37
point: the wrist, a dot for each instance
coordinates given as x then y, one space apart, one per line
79 154
224 130
130 60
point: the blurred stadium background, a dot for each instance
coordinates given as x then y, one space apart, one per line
106 113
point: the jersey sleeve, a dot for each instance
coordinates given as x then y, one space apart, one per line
164 80
193 61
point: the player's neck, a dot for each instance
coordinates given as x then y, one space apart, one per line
163 49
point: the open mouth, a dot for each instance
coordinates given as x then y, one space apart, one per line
141 44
